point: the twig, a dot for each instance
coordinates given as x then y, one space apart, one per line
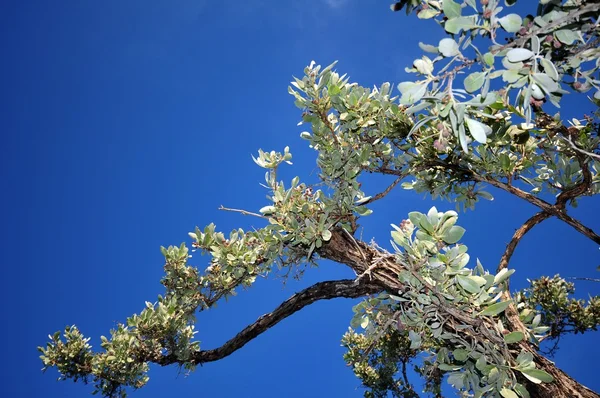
582 151
579 278
244 212
384 193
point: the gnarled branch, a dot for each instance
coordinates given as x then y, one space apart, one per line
320 291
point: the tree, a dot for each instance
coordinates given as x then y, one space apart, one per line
426 296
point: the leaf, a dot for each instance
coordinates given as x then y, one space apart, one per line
489 59
267 210
495 309
549 68
326 235
451 9
514 337
454 25
478 130
474 81
511 22
448 47
415 340
546 82
503 274
460 354
428 48
567 36
519 54
412 93
537 376
506 393
427 13
471 284
522 391
454 234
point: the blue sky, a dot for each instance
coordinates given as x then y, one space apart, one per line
127 123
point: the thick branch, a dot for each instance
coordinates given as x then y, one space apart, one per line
319 291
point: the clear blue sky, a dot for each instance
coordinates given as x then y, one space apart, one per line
127 123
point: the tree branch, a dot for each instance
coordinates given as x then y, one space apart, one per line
320 291
387 190
519 233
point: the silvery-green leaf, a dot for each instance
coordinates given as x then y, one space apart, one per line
415 340
413 94
460 354
478 130
546 82
428 48
597 95
454 234
506 393
549 68
451 9
326 235
489 58
474 81
427 13
463 138
511 22
511 75
448 47
495 308
514 337
454 25
537 376
521 390
519 54
566 36
503 275
470 283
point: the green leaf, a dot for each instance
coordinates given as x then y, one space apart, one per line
489 59
326 235
514 337
427 13
521 390
454 234
503 275
454 25
511 22
495 309
448 47
567 36
506 393
412 92
460 354
549 68
537 376
546 82
519 54
471 284
478 130
474 81
415 340
451 9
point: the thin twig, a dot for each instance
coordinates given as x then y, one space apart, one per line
384 193
582 151
244 212
579 278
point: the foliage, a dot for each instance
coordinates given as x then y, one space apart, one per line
432 310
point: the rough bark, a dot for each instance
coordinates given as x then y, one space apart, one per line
381 269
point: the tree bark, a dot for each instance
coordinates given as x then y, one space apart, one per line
382 269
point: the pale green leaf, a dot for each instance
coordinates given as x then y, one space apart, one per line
537 375
474 81
454 234
511 22
448 47
514 337
495 309
519 54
